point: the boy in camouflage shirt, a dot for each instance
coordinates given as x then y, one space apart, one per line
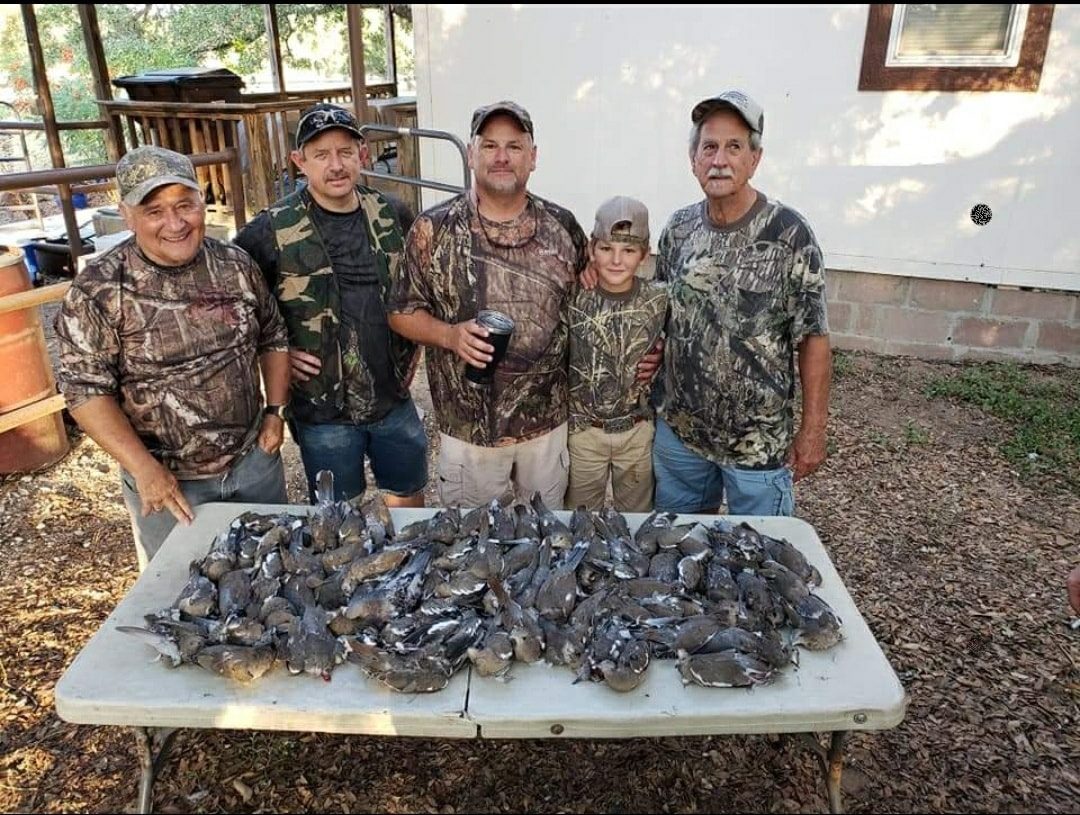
611 327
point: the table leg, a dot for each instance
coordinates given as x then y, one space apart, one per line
152 745
832 763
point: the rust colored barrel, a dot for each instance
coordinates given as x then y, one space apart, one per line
25 377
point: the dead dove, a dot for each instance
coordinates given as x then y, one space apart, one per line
241 663
724 669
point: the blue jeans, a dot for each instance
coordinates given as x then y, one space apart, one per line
396 445
256 478
687 482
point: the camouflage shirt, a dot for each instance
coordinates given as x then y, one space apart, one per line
299 266
456 264
609 333
177 347
743 297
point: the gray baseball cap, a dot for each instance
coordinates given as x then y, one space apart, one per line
622 219
511 109
144 169
738 101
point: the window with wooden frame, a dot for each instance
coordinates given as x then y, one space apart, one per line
955 46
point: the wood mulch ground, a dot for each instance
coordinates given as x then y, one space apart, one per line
957 563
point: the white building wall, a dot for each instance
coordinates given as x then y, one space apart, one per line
887 179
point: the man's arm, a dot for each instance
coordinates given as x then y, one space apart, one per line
409 307
815 373
464 339
275 372
104 422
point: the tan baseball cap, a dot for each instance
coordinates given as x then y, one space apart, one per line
144 169
622 219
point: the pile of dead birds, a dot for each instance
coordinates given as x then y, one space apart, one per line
492 587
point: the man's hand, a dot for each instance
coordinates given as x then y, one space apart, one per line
467 341
807 452
589 277
158 489
649 364
1074 589
271 434
303 365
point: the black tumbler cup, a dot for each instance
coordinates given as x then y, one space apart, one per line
499 327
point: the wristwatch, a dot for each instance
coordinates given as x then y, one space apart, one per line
274 410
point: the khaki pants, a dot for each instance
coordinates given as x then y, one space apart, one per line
471 476
627 456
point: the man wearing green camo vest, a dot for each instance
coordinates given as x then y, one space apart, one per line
496 246
747 290
160 344
328 252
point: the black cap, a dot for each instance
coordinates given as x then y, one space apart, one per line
511 109
322 117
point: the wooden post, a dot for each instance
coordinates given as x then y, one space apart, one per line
355 15
48 116
391 48
99 69
273 36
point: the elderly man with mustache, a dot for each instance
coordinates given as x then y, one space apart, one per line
747 294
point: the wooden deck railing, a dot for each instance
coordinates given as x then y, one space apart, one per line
261 128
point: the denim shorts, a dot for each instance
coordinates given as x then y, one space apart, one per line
396 445
687 482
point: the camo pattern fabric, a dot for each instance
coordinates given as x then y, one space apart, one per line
311 304
609 334
742 299
456 264
177 347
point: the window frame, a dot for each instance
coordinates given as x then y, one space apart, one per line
878 74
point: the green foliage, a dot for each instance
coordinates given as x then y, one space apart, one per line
140 38
915 433
842 364
1044 415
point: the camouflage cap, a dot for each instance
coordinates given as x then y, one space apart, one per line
322 117
144 169
622 219
511 109
738 101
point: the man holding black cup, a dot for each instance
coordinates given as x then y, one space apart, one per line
494 261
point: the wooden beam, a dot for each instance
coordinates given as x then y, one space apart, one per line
35 410
355 15
99 70
273 36
48 115
391 47
33 297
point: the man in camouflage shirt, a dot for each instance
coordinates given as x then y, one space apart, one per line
328 252
496 246
612 327
747 290
161 339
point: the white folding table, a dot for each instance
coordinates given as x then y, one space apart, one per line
114 681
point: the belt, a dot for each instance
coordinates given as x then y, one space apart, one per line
620 425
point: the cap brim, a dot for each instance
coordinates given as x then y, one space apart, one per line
137 195
527 128
704 108
334 126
